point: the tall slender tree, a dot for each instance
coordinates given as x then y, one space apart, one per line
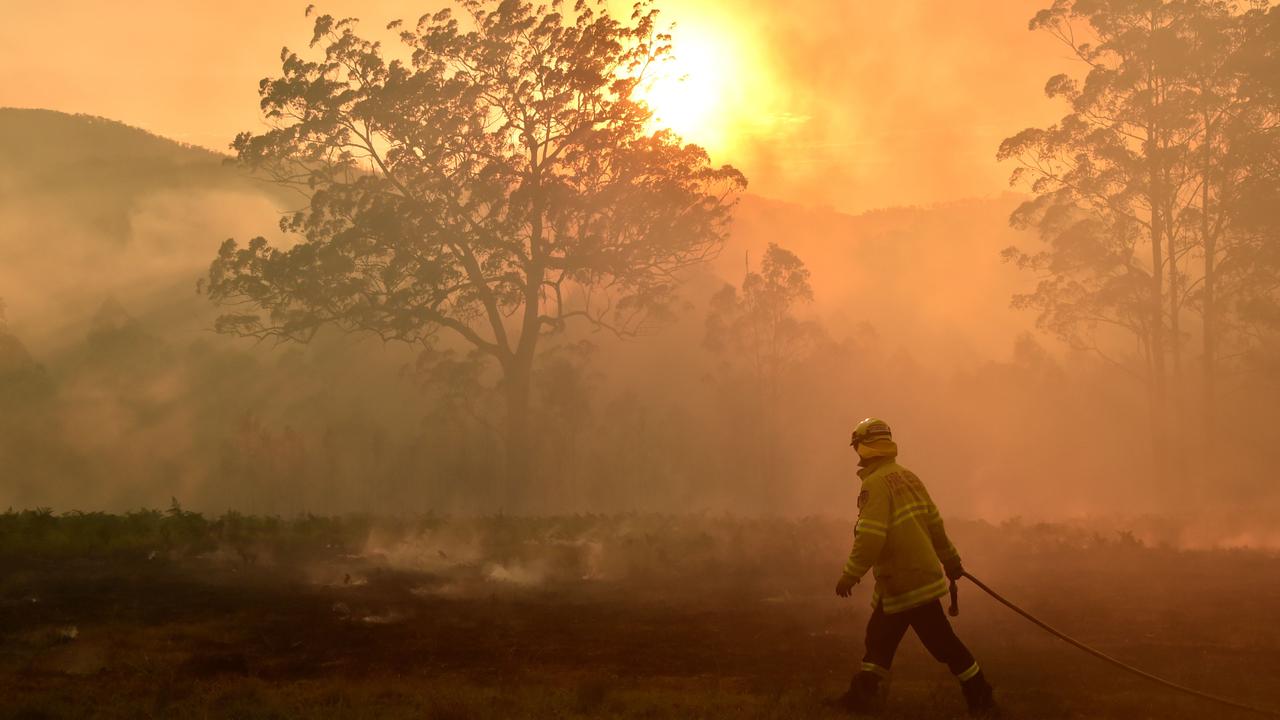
1139 191
1250 309
1105 178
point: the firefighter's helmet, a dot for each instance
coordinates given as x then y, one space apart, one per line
870 429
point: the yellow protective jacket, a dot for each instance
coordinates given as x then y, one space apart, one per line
899 536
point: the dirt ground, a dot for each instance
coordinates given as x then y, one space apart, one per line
360 635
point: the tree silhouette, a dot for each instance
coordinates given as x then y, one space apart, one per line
757 328
1138 191
500 183
1252 272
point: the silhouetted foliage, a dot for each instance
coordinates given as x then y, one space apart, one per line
1142 193
123 404
756 330
499 184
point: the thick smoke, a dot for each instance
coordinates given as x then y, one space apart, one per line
116 394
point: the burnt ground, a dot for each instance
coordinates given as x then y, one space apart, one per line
203 637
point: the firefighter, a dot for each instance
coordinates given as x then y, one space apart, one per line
900 538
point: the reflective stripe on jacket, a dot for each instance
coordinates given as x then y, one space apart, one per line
900 538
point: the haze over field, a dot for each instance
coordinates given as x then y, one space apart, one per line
500 358
868 134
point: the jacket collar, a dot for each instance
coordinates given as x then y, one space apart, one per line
871 465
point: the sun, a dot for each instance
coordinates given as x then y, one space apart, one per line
719 87
688 92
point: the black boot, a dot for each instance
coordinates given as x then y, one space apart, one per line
864 695
977 694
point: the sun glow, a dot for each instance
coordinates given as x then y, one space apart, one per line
716 88
688 91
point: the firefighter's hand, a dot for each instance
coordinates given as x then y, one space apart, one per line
955 571
845 586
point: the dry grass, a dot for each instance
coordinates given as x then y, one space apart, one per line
627 617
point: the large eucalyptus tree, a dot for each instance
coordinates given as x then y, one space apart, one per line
497 176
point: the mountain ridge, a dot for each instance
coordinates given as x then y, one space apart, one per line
110 201
14 121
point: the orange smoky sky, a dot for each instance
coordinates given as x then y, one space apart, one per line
847 103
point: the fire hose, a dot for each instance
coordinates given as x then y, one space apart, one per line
955 610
